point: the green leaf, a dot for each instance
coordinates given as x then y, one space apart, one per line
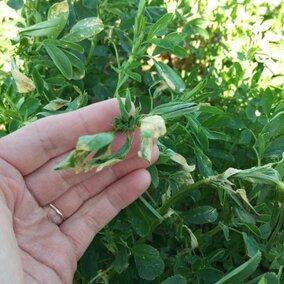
274 127
94 142
176 279
198 132
200 86
280 168
245 137
38 81
128 102
202 215
60 60
60 11
210 275
122 152
211 109
140 218
268 278
225 230
72 160
175 109
100 161
139 24
57 19
44 28
78 67
203 162
65 44
160 26
87 28
29 107
124 113
90 4
261 175
267 99
154 175
133 75
15 4
252 246
162 42
148 261
174 49
239 274
172 79
170 43
195 26
275 148
151 209
121 263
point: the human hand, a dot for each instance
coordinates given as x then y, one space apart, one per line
36 246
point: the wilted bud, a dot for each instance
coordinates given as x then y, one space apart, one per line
24 84
151 127
193 239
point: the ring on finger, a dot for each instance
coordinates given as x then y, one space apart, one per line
54 214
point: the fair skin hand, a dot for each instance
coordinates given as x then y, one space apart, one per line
33 249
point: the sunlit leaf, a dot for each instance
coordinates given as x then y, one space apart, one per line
159 27
172 79
84 29
60 59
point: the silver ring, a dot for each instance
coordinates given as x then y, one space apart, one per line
59 214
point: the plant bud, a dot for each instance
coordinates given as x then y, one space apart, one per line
151 127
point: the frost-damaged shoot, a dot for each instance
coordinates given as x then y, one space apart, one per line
94 151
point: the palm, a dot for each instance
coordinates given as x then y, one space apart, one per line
29 219
43 251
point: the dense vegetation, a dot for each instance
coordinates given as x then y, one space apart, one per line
214 212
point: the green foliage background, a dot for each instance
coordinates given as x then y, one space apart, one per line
202 224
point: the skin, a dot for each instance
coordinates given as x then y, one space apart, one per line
33 249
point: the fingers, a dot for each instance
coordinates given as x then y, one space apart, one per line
30 147
46 184
75 197
81 227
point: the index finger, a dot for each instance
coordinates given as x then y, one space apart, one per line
33 145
